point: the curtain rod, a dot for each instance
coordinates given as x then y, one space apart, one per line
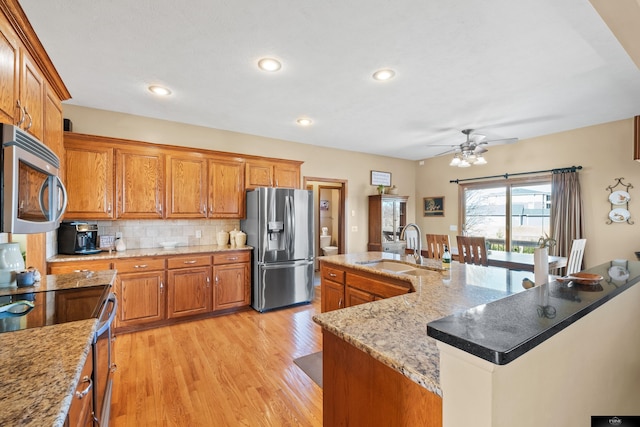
507 175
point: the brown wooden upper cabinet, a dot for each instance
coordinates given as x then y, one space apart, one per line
265 173
186 186
226 188
111 178
139 183
89 168
9 72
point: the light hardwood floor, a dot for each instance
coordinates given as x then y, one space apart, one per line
234 370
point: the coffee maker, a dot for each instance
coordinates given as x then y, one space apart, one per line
77 238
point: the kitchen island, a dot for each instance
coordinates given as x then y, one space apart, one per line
393 333
41 366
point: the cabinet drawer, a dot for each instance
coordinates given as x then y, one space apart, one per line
137 265
76 266
189 261
232 257
333 274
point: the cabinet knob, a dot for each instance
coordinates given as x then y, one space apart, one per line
232 258
193 261
140 266
333 275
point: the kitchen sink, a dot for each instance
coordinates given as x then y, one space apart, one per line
389 266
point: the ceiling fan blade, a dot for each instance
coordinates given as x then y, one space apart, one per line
501 141
453 150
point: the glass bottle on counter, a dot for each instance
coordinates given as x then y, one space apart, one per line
446 258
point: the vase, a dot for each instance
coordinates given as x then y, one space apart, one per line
541 266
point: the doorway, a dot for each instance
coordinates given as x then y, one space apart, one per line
329 200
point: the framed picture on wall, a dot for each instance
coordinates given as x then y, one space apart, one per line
433 206
324 205
381 178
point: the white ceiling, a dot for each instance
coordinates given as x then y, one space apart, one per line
506 68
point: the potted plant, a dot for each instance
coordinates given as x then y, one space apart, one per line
380 189
541 259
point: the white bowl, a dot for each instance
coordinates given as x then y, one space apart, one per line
169 245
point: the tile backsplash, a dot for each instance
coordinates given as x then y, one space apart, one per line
143 234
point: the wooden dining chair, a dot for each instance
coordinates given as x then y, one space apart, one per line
574 264
472 250
435 245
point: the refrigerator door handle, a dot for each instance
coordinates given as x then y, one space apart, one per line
276 265
290 225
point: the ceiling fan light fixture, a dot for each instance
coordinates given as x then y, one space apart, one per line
480 160
455 161
464 164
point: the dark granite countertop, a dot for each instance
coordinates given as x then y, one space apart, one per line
502 330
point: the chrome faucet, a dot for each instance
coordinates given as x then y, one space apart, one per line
417 251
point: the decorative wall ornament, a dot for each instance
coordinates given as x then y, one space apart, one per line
619 200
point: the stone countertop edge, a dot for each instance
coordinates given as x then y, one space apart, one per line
131 253
505 346
54 282
37 382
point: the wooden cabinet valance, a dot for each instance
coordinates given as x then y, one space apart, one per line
111 178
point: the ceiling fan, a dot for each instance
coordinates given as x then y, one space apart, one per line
471 151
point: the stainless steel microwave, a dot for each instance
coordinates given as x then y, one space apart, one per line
33 197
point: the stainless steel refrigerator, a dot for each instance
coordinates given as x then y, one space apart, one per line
279 225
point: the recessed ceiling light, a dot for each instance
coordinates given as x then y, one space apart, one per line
382 75
304 121
269 64
159 90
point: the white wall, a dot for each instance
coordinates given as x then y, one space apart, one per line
604 151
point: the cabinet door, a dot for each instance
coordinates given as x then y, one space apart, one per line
76 304
287 176
53 133
332 295
186 187
189 292
141 298
89 180
258 174
9 73
356 296
32 96
226 189
81 409
231 286
139 184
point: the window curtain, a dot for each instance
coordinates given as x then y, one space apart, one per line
566 211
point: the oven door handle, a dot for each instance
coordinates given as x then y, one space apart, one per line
106 324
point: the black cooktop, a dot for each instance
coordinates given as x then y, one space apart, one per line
32 309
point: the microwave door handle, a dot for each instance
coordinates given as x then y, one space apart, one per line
63 208
43 189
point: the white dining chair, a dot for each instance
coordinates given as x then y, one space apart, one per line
574 264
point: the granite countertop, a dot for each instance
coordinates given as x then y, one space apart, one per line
506 329
41 366
54 282
40 370
477 309
394 330
130 253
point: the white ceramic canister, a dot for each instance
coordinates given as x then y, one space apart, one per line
241 238
232 236
11 261
223 238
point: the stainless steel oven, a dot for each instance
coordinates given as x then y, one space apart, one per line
103 364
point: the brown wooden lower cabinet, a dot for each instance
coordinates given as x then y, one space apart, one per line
81 409
359 390
188 286
344 287
155 291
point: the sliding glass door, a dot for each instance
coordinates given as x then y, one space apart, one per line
511 215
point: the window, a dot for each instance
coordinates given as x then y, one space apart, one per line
510 215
